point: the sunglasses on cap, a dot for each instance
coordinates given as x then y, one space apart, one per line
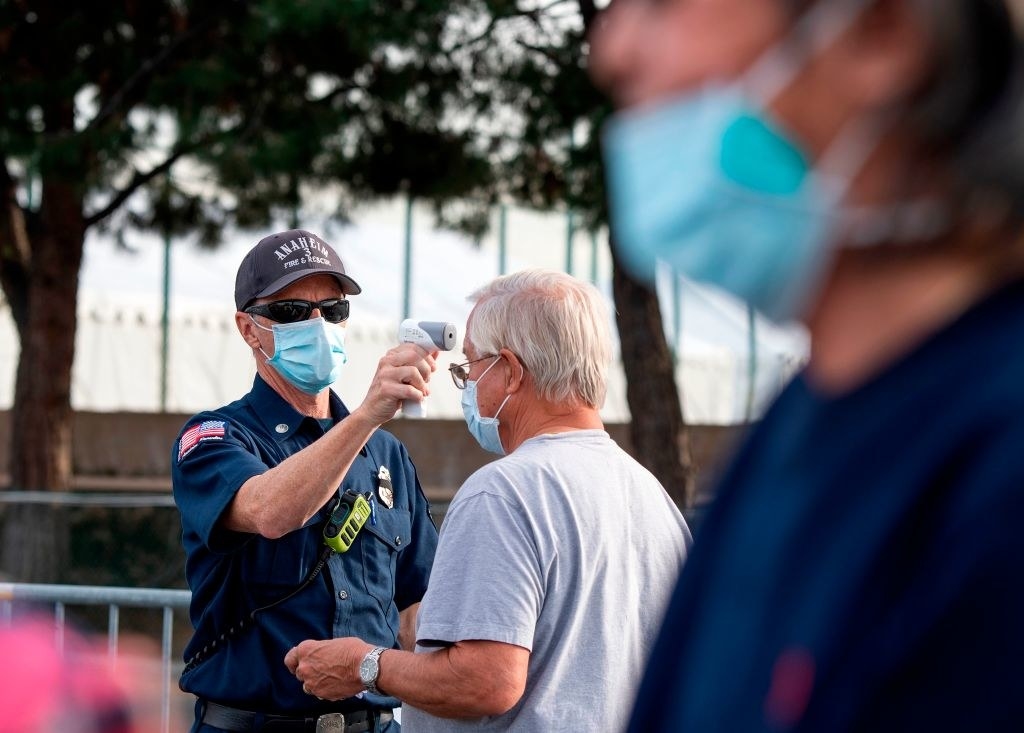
334 310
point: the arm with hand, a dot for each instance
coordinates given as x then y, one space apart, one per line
286 496
469 679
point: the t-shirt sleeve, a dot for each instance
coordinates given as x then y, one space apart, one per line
210 461
487 582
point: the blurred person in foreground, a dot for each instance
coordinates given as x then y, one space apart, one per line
262 484
856 164
74 686
555 562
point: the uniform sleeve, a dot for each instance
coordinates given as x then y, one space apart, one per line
210 461
487 581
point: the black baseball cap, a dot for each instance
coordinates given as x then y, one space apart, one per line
281 259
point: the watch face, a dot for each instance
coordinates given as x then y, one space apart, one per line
368 671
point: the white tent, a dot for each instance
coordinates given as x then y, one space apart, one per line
118 349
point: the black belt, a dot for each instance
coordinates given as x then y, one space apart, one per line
232 719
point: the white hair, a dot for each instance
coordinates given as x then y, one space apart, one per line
557 325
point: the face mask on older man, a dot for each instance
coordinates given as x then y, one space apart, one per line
484 429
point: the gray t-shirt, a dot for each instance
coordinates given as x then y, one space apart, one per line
567 547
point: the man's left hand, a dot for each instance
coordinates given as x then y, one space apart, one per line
328 670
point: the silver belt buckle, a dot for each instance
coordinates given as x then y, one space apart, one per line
330 723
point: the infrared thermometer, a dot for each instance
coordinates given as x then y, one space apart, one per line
431 335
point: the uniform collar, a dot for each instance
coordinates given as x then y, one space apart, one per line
278 417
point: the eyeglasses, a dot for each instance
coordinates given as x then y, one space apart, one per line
334 310
460 372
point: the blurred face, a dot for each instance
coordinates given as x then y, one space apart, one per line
758 129
645 50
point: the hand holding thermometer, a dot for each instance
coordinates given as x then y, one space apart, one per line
431 335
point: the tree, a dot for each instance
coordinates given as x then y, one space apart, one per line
526 62
101 105
182 115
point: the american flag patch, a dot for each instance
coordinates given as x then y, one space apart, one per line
208 430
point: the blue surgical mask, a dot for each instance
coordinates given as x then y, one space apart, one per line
484 429
309 353
712 186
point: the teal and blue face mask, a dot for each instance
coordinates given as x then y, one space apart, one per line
309 354
484 429
710 185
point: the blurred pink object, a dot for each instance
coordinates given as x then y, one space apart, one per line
78 691
30 677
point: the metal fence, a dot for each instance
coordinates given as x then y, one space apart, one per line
114 599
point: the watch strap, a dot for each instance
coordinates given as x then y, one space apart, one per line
374 656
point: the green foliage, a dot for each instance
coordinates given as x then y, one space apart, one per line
185 116
253 105
527 65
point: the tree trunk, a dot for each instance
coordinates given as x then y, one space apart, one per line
657 430
35 537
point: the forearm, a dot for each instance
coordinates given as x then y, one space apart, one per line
286 496
469 679
448 683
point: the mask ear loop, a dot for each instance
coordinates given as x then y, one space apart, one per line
777 67
258 325
522 375
846 156
812 33
858 225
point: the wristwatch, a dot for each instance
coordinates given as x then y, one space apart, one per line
369 669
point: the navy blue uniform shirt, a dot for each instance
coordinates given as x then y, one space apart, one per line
358 593
860 569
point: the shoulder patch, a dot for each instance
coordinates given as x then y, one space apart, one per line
196 434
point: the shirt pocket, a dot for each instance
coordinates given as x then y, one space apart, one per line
380 547
272 569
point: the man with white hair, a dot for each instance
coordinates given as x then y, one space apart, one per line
554 562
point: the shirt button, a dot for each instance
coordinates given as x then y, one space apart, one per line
281 428
343 594
398 541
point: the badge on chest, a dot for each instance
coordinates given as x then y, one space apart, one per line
385 491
